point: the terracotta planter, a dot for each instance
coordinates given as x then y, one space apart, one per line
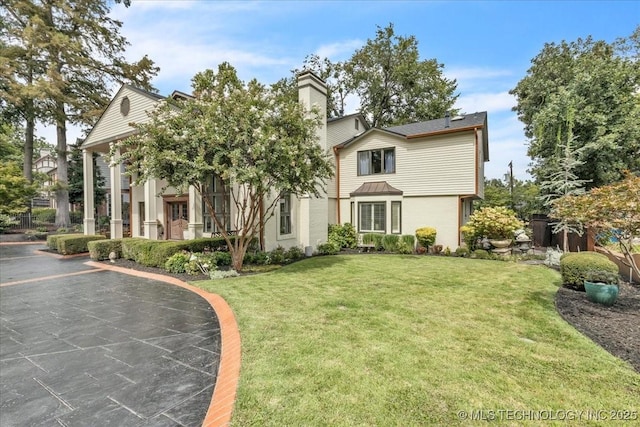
601 293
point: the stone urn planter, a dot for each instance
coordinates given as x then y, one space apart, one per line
500 243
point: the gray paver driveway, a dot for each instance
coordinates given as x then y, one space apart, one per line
86 347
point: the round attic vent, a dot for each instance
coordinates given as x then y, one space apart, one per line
124 106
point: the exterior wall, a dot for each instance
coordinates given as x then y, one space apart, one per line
480 163
440 212
113 123
439 165
339 131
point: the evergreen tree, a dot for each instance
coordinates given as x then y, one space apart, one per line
76 179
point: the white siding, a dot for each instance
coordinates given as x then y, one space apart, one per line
341 130
113 124
441 165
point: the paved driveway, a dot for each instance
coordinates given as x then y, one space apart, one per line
86 347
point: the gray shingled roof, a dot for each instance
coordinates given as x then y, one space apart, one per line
467 120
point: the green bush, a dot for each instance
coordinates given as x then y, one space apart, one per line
481 254
52 240
404 247
409 239
390 242
70 244
344 236
6 221
222 258
462 251
276 256
256 258
201 263
294 253
328 249
177 262
76 217
100 249
491 222
574 266
44 215
155 253
426 236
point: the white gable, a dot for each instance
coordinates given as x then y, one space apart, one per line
114 124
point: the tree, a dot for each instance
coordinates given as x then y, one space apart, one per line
608 211
15 190
79 57
76 179
259 143
525 196
600 82
394 85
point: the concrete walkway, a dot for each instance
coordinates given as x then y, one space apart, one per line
82 346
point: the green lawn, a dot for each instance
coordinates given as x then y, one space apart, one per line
385 340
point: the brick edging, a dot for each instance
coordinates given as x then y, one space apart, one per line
224 392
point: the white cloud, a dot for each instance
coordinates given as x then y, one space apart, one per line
339 51
492 102
476 73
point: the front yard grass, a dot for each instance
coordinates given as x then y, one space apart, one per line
390 340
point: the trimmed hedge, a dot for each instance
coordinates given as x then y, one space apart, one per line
574 266
155 253
69 244
100 249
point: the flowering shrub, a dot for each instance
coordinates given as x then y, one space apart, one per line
493 223
426 236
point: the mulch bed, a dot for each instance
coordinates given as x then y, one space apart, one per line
615 328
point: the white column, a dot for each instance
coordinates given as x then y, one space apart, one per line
116 196
196 223
89 203
150 210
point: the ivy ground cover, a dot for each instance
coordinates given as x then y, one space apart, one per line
415 340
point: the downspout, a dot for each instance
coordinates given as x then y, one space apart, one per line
475 135
335 152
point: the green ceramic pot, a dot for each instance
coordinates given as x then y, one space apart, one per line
601 293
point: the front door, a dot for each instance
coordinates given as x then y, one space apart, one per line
178 220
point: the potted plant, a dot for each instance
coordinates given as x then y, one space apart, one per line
601 286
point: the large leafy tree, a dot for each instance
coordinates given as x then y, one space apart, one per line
593 86
258 141
65 57
524 198
608 211
394 85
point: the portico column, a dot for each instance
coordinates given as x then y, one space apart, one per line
196 224
89 203
116 196
150 210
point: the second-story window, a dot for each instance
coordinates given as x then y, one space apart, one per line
377 161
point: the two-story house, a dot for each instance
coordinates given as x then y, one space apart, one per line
391 180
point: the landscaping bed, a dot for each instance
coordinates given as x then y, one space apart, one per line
615 328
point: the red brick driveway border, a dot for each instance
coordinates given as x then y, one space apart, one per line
224 393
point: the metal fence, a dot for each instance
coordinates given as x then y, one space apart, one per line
30 221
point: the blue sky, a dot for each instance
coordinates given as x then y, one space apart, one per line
486 45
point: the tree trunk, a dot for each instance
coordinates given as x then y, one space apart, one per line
28 143
237 257
62 189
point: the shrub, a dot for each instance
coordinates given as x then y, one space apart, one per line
70 244
100 249
52 241
177 262
328 249
493 223
404 247
344 236
201 263
276 256
447 251
76 217
377 241
462 251
222 258
44 215
6 222
481 254
426 236
390 242
575 266
294 253
408 239
256 258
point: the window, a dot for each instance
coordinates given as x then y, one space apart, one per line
395 217
377 161
372 217
216 191
285 214
357 124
